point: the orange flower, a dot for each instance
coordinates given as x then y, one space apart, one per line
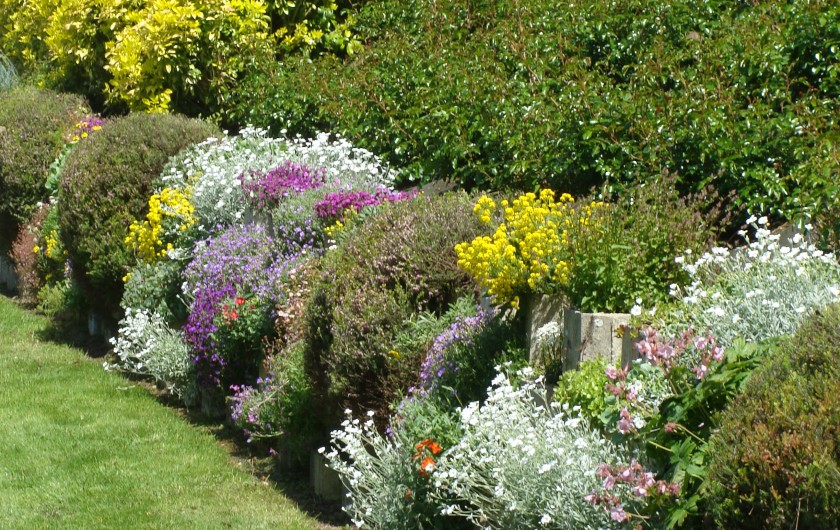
426 466
429 444
233 315
240 301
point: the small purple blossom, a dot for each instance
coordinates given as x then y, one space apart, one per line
266 189
239 261
334 205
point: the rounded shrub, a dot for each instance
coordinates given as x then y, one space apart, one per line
34 126
105 185
775 463
399 261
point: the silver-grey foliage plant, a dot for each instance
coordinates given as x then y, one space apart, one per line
8 74
147 346
763 290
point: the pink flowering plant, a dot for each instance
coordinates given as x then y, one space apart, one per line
670 437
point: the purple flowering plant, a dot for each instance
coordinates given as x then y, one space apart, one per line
237 264
440 366
265 190
332 207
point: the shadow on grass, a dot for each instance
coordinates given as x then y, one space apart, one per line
291 480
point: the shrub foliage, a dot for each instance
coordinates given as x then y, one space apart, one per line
510 94
105 185
776 459
401 260
34 126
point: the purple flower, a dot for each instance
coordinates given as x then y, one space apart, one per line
266 190
334 205
239 261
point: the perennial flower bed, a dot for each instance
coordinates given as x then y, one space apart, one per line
288 276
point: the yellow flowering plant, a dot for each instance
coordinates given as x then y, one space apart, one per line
530 250
170 215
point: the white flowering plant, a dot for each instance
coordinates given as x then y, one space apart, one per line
762 290
389 477
211 168
522 465
215 169
147 346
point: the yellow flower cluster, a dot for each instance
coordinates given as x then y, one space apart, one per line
336 228
529 250
170 212
55 251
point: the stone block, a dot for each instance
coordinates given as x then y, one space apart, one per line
325 481
8 276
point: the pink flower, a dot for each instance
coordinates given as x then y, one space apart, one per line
625 422
618 514
702 371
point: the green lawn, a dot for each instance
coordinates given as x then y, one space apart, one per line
82 448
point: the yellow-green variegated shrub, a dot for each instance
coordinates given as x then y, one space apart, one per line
157 55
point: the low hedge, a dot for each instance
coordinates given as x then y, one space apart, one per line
34 126
775 463
105 185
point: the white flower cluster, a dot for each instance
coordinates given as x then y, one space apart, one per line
352 168
211 168
146 345
762 290
521 466
376 472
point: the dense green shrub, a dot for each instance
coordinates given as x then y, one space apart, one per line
105 185
400 261
34 126
164 54
511 94
775 463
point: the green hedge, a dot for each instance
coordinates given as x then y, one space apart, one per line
514 94
775 463
34 126
106 184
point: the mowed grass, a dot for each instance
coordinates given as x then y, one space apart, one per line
83 448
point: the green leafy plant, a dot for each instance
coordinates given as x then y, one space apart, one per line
241 327
106 184
625 255
277 410
673 433
774 461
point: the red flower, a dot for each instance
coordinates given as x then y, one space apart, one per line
233 315
240 300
